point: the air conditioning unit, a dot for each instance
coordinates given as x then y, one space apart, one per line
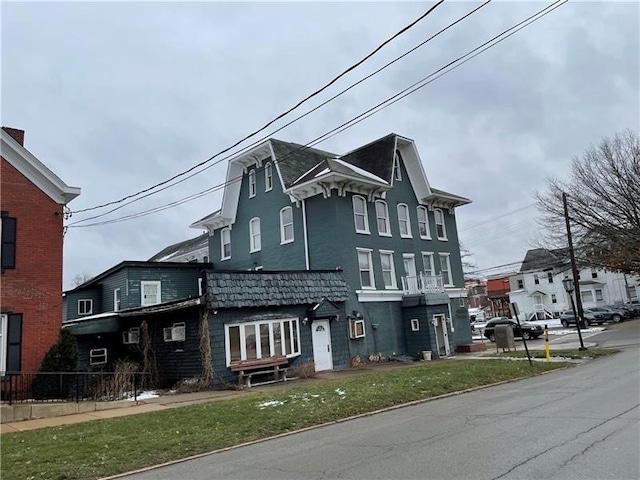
131 336
356 328
175 333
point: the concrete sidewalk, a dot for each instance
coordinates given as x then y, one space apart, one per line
57 414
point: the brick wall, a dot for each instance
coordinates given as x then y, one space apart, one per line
34 287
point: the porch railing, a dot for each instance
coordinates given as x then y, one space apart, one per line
539 311
20 387
419 284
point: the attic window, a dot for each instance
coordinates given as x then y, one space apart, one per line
252 183
268 177
397 174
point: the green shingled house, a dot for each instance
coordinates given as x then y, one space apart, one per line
370 214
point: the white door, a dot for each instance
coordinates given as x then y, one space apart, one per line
442 335
410 273
322 345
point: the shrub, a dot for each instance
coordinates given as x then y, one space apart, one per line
61 357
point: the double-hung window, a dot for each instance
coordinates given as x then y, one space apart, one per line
117 299
382 215
225 243
441 229
254 235
268 177
427 264
8 237
403 221
365 266
388 269
397 173
445 269
423 223
360 214
150 291
286 225
252 183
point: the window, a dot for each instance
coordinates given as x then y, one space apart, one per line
554 298
594 274
587 296
175 333
117 301
225 243
85 306
550 277
441 229
150 292
360 214
8 245
445 268
356 328
388 269
366 268
403 221
98 356
3 343
536 279
382 215
286 225
268 177
254 235
415 324
461 302
131 336
598 293
397 173
423 223
252 183
520 284
427 264
262 339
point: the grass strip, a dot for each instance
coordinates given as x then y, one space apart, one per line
573 354
106 447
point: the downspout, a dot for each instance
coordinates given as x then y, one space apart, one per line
306 239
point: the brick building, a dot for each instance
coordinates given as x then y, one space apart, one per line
32 199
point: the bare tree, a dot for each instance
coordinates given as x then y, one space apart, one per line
603 197
80 278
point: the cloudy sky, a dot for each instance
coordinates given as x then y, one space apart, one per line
116 97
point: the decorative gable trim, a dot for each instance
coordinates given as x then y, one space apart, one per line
35 171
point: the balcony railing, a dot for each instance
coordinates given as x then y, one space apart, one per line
76 387
422 283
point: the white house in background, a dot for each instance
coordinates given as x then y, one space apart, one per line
538 291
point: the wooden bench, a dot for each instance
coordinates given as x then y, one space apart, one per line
261 366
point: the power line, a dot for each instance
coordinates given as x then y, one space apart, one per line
489 220
317 92
257 142
377 108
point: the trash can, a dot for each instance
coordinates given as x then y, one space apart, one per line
426 354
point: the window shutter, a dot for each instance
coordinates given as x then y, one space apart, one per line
14 342
8 243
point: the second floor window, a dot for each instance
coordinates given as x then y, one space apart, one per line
360 214
427 263
85 306
225 243
520 284
268 177
286 225
445 268
365 265
423 223
550 277
117 300
382 215
252 183
536 279
254 235
403 221
388 269
8 248
150 291
441 229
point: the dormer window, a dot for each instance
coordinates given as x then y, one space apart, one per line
397 174
252 183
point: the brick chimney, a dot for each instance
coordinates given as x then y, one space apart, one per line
17 135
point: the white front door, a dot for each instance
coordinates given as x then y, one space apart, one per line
322 345
442 335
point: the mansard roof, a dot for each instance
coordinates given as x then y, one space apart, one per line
181 249
539 259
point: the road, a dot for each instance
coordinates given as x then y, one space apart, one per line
579 423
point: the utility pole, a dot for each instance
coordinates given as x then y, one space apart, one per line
574 270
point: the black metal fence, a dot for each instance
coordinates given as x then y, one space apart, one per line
19 387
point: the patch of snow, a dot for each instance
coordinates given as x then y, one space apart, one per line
143 395
270 403
342 393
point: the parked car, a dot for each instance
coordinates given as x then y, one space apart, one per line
609 314
526 330
624 311
567 319
634 307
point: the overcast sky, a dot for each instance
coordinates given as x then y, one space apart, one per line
115 97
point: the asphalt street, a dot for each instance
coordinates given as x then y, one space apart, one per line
578 423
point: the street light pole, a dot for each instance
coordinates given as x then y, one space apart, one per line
574 270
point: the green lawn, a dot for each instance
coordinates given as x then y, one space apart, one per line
106 447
